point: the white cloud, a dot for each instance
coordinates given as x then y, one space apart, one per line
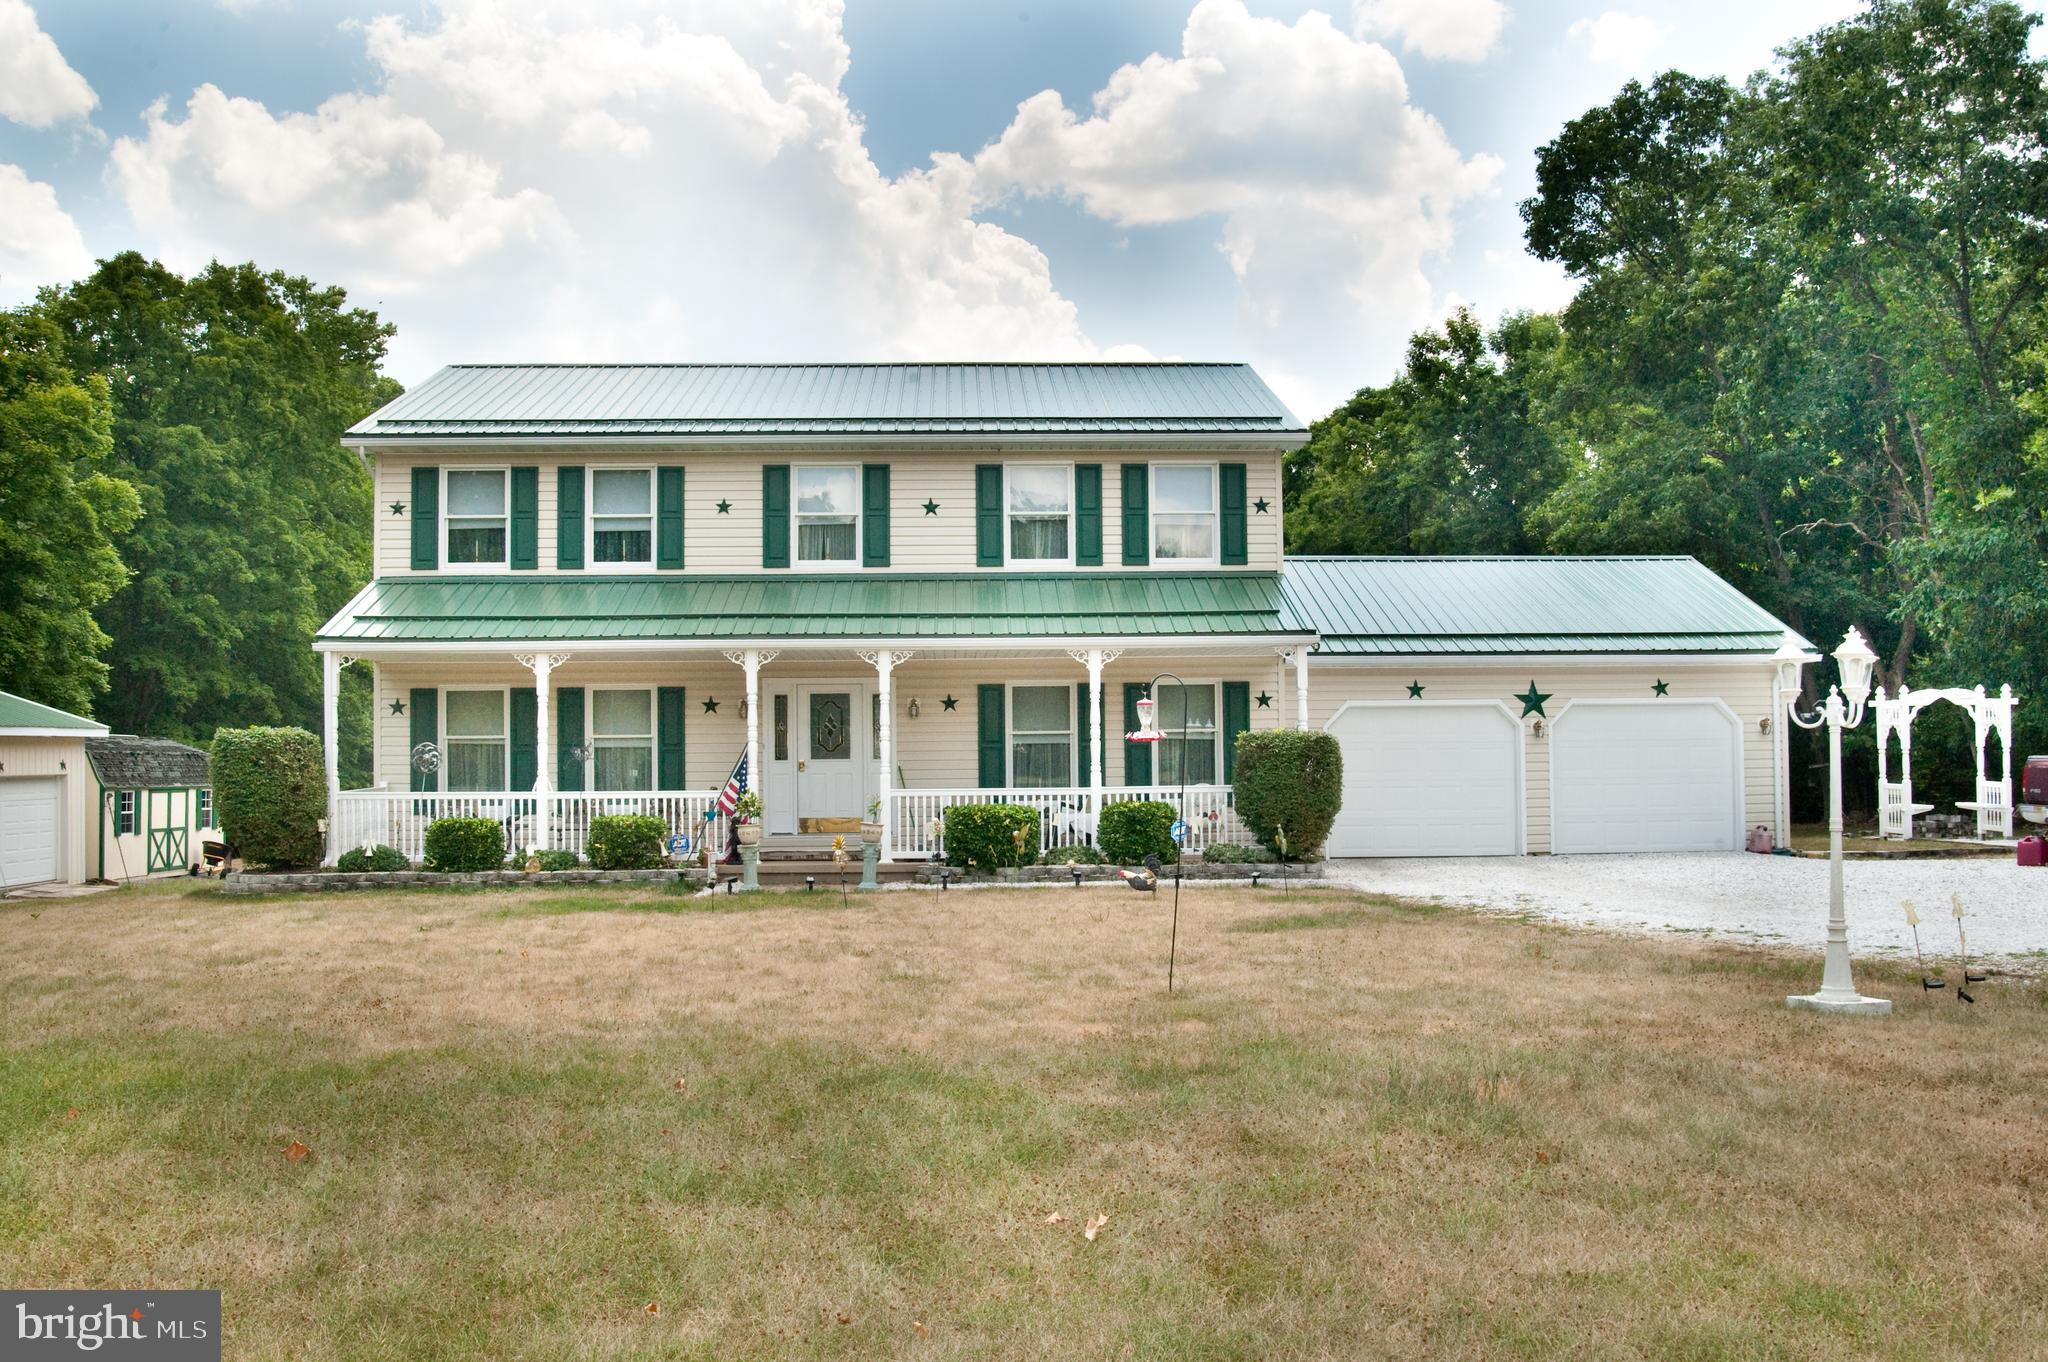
1441 30
1331 188
39 243
1617 38
37 86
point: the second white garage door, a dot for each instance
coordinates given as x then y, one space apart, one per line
1428 780
1656 775
28 831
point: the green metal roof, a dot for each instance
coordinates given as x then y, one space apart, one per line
1389 605
821 608
17 713
581 400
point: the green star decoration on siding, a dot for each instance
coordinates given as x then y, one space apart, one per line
1265 700
1532 701
398 706
950 703
1661 687
710 705
1415 689
398 508
1261 505
724 507
931 507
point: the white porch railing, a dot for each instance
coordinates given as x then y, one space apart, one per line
1066 817
552 822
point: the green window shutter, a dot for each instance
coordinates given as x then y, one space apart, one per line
1237 718
426 519
1082 751
1232 483
668 765
1137 515
525 720
988 515
426 727
874 513
775 515
569 517
1137 755
988 710
668 518
525 548
568 735
1088 515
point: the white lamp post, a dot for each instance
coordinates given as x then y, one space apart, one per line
1843 709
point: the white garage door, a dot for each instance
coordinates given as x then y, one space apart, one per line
1644 776
28 831
1428 780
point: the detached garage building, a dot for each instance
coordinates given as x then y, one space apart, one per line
46 794
1495 706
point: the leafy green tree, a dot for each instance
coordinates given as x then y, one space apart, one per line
60 512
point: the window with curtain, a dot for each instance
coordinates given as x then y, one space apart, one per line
1041 503
622 739
1041 736
1184 512
474 756
1196 753
827 515
622 515
476 515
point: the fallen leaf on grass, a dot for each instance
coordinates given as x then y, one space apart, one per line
922 1332
295 1151
846 1319
682 1085
1055 1219
71 1113
1543 1156
1095 1224
654 1307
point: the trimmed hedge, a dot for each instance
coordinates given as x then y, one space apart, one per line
462 845
985 836
558 860
1132 829
1289 778
1230 853
1079 854
626 841
380 858
270 793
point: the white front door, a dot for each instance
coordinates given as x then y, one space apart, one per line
833 762
1423 778
28 830
1648 775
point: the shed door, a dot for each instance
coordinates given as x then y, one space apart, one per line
1424 779
28 830
1651 775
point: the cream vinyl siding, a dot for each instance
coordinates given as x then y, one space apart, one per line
936 750
717 544
64 758
1744 687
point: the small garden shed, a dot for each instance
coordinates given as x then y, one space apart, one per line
155 806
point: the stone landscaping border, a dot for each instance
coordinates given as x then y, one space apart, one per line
1062 874
294 882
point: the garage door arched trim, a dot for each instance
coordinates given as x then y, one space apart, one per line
1737 771
1520 749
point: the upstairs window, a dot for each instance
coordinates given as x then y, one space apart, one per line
828 515
475 498
1194 754
1041 736
622 516
474 741
1040 507
1184 513
622 739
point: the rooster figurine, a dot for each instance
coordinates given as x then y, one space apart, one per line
1145 881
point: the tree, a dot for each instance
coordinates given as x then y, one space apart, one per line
60 513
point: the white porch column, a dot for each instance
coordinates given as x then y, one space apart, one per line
542 665
1301 686
1095 659
884 663
752 660
330 724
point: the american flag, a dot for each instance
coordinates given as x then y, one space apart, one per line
735 785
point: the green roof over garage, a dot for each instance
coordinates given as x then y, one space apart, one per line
1418 605
21 717
847 609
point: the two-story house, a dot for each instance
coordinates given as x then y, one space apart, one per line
597 586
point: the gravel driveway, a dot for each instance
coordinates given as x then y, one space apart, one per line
1782 900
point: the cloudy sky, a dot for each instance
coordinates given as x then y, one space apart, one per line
805 179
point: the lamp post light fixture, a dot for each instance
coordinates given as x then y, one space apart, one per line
1842 709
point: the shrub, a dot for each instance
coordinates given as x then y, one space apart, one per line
1293 779
1133 829
356 859
270 790
459 845
626 841
1079 854
1230 853
985 836
557 860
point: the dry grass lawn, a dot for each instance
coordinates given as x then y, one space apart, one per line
1362 1128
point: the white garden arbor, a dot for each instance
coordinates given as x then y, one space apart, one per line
1989 714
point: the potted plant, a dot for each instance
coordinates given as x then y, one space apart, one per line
871 829
747 819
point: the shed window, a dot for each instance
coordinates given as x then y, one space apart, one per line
124 812
622 739
1041 506
622 515
476 745
206 808
1041 736
1196 754
1184 512
827 515
476 515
